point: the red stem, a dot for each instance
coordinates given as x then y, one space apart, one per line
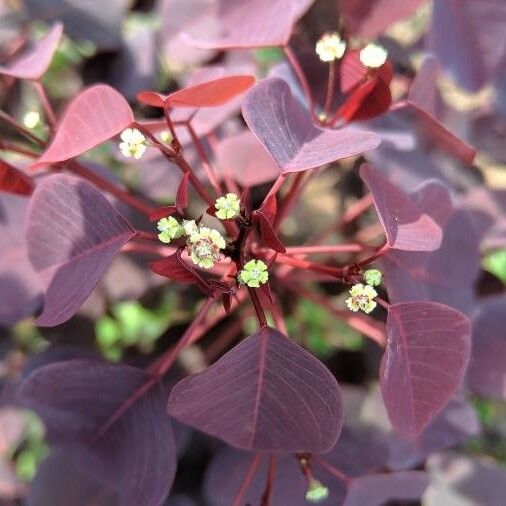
271 473
356 210
330 88
262 320
294 62
248 478
7 118
325 249
289 199
332 470
46 105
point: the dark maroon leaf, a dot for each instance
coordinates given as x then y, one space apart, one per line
182 193
59 483
352 71
73 233
468 39
367 19
242 158
162 212
172 267
20 287
487 369
94 116
136 457
32 63
97 22
251 23
425 361
406 225
265 219
12 180
267 394
377 489
422 98
285 129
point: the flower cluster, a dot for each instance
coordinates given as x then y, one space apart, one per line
362 298
316 492
133 143
330 47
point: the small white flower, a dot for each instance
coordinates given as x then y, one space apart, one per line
362 298
190 227
373 55
31 119
330 47
133 143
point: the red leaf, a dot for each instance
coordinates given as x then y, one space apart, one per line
209 94
32 64
353 71
162 212
171 267
182 193
13 180
264 217
94 116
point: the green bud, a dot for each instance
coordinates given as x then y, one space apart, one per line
169 229
316 492
227 207
372 277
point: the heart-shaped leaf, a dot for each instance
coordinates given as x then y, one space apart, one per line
429 345
285 129
209 94
94 116
267 394
406 226
12 180
422 98
32 64
73 233
136 456
251 23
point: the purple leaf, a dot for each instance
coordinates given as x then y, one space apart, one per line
487 369
94 116
468 39
406 225
285 129
367 19
32 64
422 97
20 287
377 489
73 233
437 276
242 158
136 457
251 23
266 394
428 349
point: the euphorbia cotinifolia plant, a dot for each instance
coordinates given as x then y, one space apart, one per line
276 408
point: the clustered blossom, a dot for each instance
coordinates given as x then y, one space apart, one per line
330 47
227 207
204 247
373 55
362 298
169 229
253 274
316 492
133 143
372 277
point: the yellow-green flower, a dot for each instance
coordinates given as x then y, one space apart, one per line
133 143
169 229
227 207
330 47
253 274
32 119
204 247
362 298
316 492
190 227
372 277
373 55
